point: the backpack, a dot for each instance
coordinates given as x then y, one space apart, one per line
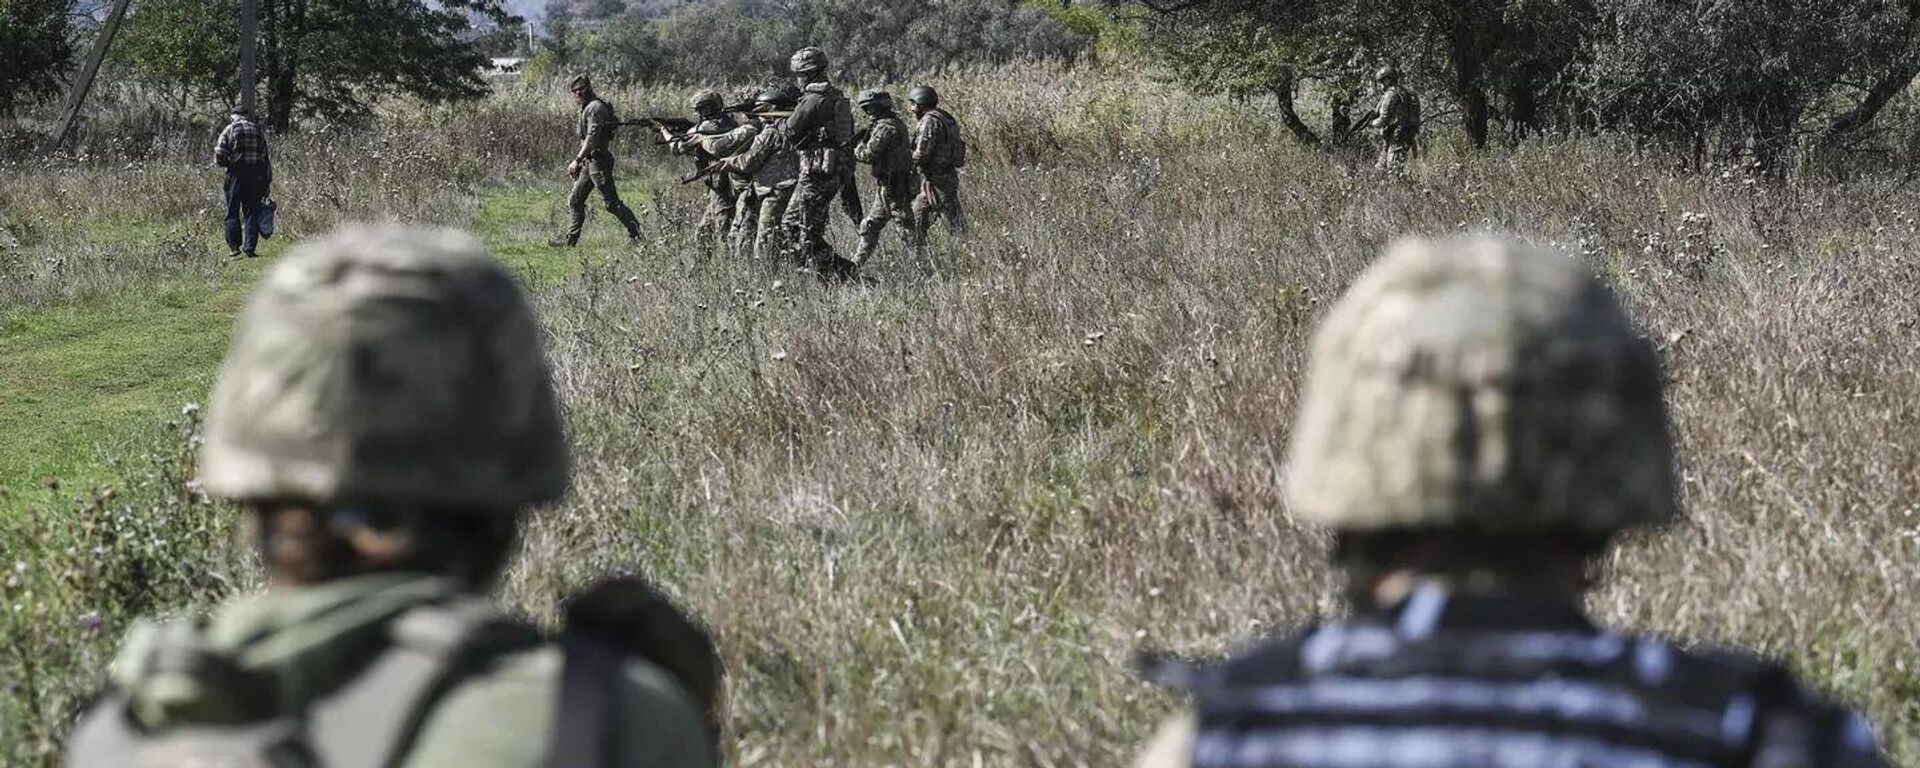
957 145
372 720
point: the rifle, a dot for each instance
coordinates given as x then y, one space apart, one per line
669 124
1358 123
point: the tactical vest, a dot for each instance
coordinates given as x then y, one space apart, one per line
1406 692
952 152
821 129
898 159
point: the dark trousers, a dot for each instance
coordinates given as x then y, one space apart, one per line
596 175
245 188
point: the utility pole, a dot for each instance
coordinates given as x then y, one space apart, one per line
249 32
70 113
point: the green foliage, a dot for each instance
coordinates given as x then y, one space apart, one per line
190 47
1110 36
34 46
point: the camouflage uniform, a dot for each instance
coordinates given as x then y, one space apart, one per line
595 130
936 155
1478 396
716 219
1398 119
760 156
382 371
820 129
885 149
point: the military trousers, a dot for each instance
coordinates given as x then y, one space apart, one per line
807 216
716 222
939 199
892 203
758 228
596 175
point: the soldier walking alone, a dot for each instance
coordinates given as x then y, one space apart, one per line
1398 120
1481 420
885 147
592 166
938 153
242 150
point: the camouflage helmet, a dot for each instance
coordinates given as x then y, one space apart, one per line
1387 74
1481 383
925 96
579 82
808 60
391 366
707 102
875 98
778 97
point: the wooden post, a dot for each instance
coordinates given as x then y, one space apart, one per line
249 32
70 113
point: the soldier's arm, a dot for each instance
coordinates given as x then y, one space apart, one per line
880 139
599 129
762 150
927 140
732 142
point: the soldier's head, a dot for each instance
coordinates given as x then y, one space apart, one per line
808 65
1480 411
780 98
707 103
924 97
1387 75
876 103
581 87
385 406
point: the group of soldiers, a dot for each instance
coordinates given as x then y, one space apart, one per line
773 171
1480 422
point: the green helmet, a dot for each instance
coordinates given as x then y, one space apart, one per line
1481 383
391 366
925 96
707 102
778 97
808 60
875 98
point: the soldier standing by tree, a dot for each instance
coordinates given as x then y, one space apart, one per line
938 152
1397 118
820 129
885 146
716 221
242 150
592 166
1480 421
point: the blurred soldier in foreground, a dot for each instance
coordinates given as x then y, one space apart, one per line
939 153
716 221
761 156
592 165
385 415
885 147
820 129
242 150
1480 421
1397 118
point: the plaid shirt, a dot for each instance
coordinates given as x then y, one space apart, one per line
242 143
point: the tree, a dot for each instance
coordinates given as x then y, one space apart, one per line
190 47
35 44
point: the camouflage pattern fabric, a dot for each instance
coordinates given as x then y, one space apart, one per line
939 199
1399 124
386 363
934 147
820 129
886 152
1481 382
806 218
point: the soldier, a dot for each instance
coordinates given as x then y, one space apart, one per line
938 152
1481 419
1397 118
716 221
592 165
242 150
884 146
760 153
820 129
385 416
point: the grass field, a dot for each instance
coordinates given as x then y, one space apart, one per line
931 518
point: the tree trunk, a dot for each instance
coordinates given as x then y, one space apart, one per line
1869 108
1283 90
1474 110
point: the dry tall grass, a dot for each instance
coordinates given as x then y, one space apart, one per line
931 518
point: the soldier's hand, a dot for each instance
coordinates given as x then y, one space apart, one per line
573 168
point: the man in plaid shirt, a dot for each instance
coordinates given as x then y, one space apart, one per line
242 150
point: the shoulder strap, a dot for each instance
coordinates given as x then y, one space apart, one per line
373 720
583 728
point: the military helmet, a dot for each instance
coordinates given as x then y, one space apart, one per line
1387 74
707 102
778 97
579 82
1481 383
875 98
807 61
384 365
925 96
